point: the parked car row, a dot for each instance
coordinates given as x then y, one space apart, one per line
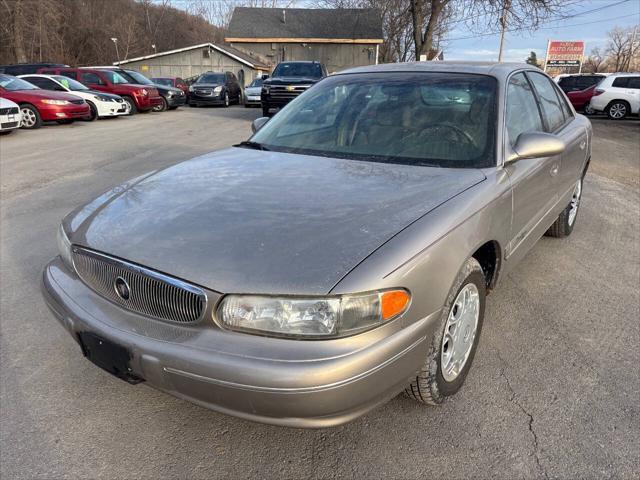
617 94
64 94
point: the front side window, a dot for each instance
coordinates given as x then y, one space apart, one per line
549 100
432 119
43 83
522 115
13 84
115 77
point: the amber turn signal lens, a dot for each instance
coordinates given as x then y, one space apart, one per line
393 303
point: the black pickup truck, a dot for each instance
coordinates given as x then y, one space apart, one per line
289 79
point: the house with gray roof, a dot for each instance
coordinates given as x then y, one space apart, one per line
339 38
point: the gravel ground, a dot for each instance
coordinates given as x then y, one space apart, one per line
554 391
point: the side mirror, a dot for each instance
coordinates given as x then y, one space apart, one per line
536 145
258 123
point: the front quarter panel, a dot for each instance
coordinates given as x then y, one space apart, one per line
426 256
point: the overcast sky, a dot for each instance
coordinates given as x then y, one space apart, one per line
590 27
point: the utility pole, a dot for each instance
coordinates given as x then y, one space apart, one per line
115 42
503 24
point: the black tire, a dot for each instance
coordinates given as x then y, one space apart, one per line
162 107
67 121
35 118
265 111
226 100
172 108
563 226
94 112
618 109
193 105
430 387
132 105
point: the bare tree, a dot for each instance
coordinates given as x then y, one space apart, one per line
596 62
622 48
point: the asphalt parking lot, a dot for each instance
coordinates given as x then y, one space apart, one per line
554 391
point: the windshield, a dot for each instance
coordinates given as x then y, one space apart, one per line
211 78
312 70
115 77
163 81
257 82
70 83
434 119
138 77
13 84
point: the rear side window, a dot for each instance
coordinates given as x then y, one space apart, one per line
634 82
522 113
90 77
567 83
549 100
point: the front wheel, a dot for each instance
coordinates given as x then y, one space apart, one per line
162 107
226 99
588 110
94 112
563 226
131 105
30 117
455 340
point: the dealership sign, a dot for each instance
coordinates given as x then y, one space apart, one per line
564 54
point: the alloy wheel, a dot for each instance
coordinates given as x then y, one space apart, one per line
460 332
618 110
575 202
28 118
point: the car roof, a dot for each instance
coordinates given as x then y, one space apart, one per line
495 69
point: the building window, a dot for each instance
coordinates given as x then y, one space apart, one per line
205 53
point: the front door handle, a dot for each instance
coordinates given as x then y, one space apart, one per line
583 144
554 170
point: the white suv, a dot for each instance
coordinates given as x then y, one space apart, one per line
618 95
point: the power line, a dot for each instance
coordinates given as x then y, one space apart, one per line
489 34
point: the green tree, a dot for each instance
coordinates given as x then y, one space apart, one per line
532 59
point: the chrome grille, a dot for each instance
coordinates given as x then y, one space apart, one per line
287 92
150 293
77 102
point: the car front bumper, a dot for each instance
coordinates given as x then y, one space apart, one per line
195 99
272 380
111 109
64 112
10 121
252 99
176 100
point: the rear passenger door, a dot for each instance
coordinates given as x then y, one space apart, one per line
559 120
633 92
93 81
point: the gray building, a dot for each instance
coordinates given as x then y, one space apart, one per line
339 38
191 61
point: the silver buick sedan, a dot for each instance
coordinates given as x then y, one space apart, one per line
340 256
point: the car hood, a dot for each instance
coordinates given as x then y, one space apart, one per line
253 90
103 95
291 80
207 85
249 221
40 94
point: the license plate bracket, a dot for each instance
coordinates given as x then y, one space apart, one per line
109 356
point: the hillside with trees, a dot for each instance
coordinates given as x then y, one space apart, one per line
80 32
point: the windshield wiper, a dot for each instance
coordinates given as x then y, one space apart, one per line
253 145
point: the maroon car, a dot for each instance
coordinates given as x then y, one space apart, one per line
141 98
37 106
175 82
580 99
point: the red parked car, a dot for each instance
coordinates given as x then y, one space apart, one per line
141 98
580 99
39 106
175 82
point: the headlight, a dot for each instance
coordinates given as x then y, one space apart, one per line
64 247
170 93
49 101
266 89
217 90
96 97
191 88
313 317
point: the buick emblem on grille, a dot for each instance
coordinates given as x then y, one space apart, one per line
122 288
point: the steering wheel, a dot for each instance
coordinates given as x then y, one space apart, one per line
461 134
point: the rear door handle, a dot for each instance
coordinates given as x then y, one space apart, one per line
554 170
583 144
